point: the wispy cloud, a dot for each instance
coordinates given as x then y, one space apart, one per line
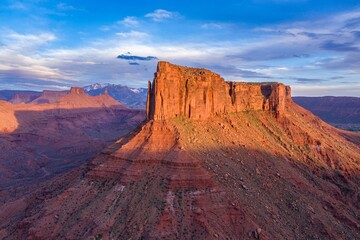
308 80
160 15
65 7
326 90
129 21
213 25
132 34
17 5
15 41
22 62
341 47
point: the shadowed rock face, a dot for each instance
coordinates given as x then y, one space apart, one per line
199 94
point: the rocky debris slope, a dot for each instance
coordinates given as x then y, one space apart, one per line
269 172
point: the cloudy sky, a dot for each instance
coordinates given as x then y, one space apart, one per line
312 45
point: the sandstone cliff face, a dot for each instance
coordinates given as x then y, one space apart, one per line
199 93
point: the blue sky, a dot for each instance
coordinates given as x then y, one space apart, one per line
314 46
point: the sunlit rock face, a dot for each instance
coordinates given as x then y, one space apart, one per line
199 93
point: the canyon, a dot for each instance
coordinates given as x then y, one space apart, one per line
213 160
40 141
341 112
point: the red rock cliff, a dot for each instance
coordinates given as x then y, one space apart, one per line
199 93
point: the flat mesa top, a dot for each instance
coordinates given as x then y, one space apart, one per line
252 83
188 71
164 66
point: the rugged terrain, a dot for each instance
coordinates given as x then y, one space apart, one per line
134 98
215 159
18 96
38 142
342 112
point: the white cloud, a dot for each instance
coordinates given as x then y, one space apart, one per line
272 52
327 90
65 7
129 21
132 34
160 15
213 25
21 58
16 41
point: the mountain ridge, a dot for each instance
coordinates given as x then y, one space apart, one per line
131 97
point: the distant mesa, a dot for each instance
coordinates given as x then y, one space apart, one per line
199 93
75 99
49 96
76 90
24 97
78 98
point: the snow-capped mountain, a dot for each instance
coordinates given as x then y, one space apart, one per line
95 86
130 97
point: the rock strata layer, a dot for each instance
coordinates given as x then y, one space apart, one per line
199 94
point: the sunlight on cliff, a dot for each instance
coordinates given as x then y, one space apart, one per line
8 123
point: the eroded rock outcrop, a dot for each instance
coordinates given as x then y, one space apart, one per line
76 90
199 93
49 96
78 98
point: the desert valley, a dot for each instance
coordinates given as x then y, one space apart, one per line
207 159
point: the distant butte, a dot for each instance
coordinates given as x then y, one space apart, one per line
77 90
